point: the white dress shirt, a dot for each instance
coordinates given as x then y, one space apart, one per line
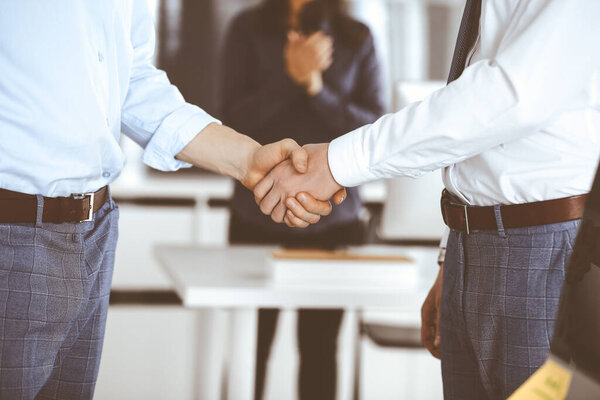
74 74
521 124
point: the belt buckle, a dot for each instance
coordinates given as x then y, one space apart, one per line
80 196
446 200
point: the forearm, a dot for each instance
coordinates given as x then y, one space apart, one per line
451 125
220 149
498 100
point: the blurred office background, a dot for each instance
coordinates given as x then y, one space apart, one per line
153 345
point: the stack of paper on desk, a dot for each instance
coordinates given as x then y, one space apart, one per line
342 268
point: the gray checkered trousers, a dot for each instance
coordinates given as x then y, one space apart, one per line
54 289
500 298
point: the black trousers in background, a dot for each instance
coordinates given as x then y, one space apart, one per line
317 330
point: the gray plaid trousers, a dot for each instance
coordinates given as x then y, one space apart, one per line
500 298
54 290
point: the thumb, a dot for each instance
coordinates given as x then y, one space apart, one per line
339 197
300 160
292 150
293 36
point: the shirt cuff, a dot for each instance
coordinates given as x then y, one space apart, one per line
347 162
173 134
441 256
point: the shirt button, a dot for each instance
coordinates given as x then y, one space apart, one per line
105 174
100 56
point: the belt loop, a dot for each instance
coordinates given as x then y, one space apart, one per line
466 211
499 222
40 210
109 198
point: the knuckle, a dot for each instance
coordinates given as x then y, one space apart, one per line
263 208
288 142
295 208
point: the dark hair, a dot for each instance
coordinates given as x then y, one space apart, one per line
273 19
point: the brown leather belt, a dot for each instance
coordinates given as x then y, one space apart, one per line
18 207
465 218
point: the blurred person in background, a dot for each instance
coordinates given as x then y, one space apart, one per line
301 69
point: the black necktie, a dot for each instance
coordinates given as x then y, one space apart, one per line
467 35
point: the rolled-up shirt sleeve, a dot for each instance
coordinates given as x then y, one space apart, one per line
154 113
539 70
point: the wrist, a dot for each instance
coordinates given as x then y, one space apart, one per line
315 84
329 168
242 169
296 76
220 149
334 184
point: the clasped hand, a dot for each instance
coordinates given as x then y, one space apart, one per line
296 197
306 58
274 172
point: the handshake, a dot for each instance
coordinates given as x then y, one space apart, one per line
292 184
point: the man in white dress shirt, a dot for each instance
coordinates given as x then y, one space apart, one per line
517 133
74 74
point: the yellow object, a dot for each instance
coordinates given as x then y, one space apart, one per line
550 382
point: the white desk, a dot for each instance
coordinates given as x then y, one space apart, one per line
239 278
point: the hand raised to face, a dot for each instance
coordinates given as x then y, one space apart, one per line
284 182
306 57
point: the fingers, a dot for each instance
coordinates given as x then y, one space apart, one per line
288 148
426 327
268 203
305 210
278 213
438 310
429 329
293 36
438 337
324 61
324 51
300 213
314 206
314 37
319 38
300 160
286 220
294 222
325 64
322 47
262 188
339 197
